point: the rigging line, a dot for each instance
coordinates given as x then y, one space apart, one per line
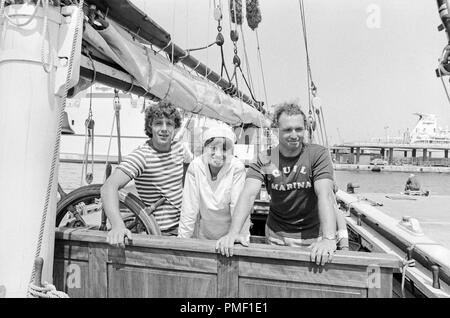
200 48
187 22
308 73
324 127
109 143
305 37
247 63
224 66
321 128
246 83
261 68
207 31
445 88
172 57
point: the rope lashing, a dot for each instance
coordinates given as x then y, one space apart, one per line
131 87
253 14
47 291
405 264
218 13
89 140
37 289
349 206
236 11
164 48
94 77
117 107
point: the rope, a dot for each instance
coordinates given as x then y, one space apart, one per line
405 264
349 206
247 63
45 32
173 66
445 89
117 107
57 143
88 140
311 86
324 128
47 291
109 143
261 67
3 13
207 32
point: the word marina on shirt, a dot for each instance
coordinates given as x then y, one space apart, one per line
293 185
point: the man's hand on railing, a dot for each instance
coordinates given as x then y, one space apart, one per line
116 237
322 251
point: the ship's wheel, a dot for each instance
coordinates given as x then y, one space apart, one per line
83 208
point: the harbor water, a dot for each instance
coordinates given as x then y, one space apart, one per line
432 212
368 181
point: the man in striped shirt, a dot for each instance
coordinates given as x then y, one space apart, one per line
157 169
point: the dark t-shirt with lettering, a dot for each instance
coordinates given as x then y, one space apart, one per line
290 183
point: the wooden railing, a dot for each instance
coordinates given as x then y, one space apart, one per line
154 266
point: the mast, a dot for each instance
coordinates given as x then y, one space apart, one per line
33 85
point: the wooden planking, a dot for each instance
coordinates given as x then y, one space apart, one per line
147 269
261 288
419 274
72 250
227 276
165 259
384 289
72 277
255 250
97 271
342 275
128 281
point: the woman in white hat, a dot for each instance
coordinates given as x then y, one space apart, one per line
212 186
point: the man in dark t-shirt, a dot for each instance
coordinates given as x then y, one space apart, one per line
299 178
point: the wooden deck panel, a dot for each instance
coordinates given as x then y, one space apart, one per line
166 267
262 288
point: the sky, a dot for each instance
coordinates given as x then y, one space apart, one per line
373 62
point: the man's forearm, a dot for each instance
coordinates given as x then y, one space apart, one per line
241 212
327 216
110 199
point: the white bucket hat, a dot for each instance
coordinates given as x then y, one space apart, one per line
222 131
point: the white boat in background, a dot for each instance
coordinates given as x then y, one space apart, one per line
427 131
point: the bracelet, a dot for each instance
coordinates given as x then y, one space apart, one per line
328 238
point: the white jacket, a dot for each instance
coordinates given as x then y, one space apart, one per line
208 205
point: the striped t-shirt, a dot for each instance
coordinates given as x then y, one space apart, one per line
159 174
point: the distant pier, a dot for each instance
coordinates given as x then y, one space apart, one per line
362 153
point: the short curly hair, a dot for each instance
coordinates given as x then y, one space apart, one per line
290 109
161 110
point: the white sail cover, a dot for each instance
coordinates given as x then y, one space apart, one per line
167 81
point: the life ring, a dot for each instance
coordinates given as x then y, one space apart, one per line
88 194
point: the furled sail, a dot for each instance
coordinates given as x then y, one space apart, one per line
166 80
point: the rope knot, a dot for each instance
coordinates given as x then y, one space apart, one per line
46 291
